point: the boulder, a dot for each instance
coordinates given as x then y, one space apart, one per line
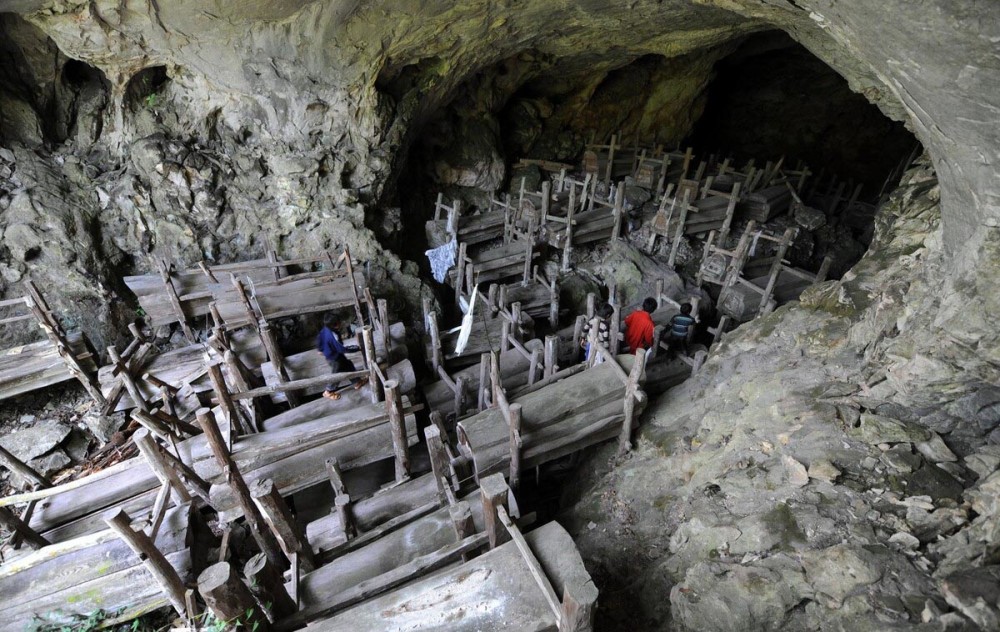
932 481
837 571
35 441
976 594
936 450
823 470
875 429
50 463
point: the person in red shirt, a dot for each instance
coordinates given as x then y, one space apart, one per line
639 327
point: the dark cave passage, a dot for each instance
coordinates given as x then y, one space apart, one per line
765 98
772 98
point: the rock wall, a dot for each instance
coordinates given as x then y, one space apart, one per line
811 476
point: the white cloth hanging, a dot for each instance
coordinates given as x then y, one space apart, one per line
442 259
467 320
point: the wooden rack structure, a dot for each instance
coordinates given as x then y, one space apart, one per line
60 357
246 292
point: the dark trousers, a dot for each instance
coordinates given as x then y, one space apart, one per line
678 342
340 364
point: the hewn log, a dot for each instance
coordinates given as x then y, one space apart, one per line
493 492
279 518
397 422
229 599
17 526
267 584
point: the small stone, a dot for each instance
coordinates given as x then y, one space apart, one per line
983 463
797 474
935 450
901 458
591 525
905 540
77 446
50 463
931 480
100 426
823 471
26 419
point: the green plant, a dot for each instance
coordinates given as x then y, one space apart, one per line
151 100
75 622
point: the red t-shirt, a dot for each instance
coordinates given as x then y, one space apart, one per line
638 330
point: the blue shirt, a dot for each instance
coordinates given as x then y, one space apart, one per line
329 344
679 325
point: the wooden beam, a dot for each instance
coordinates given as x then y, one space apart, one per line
15 525
27 473
154 458
268 585
397 423
514 423
493 493
261 533
291 537
534 567
341 499
371 360
154 561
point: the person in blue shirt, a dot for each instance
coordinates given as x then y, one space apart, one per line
680 327
329 344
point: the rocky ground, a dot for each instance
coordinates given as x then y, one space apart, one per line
789 486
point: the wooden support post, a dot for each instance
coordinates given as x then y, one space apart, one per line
261 533
439 459
581 320
734 198
230 600
484 367
505 329
23 470
568 240
460 275
529 243
291 537
515 444
619 212
459 397
515 321
371 361
533 363
397 423
154 561
616 320
277 359
341 499
175 300
493 492
354 286
128 380
167 476
436 359
679 233
546 204
553 305
551 357
632 393
775 271
240 376
611 161
226 403
268 585
491 298
591 305
20 528
461 519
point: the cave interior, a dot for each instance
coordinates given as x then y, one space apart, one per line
187 199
